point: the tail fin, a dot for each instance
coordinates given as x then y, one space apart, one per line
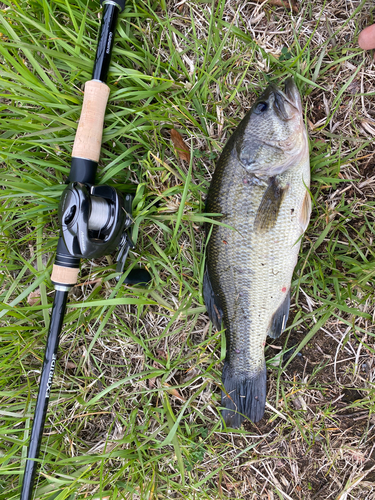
245 395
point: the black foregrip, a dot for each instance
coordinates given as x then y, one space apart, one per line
63 257
83 170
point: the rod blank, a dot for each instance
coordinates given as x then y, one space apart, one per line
57 317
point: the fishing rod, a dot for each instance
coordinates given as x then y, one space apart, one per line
94 221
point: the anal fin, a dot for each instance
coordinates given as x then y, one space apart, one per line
212 302
280 318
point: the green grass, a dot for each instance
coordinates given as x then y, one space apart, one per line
135 409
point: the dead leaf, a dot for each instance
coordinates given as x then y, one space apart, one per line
152 381
191 374
368 128
175 393
162 354
220 121
354 87
182 150
34 297
282 3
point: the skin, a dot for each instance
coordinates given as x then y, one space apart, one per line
366 39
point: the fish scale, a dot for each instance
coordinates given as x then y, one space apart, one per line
250 263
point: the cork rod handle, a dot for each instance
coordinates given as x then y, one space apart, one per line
89 134
64 275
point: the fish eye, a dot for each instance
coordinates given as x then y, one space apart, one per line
261 107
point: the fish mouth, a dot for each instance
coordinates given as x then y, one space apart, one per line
291 94
286 102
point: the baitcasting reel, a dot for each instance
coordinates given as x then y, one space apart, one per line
94 222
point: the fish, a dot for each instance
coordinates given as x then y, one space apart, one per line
260 188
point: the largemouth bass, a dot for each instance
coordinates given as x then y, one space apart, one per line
260 186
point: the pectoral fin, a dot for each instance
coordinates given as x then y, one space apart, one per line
305 212
269 207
